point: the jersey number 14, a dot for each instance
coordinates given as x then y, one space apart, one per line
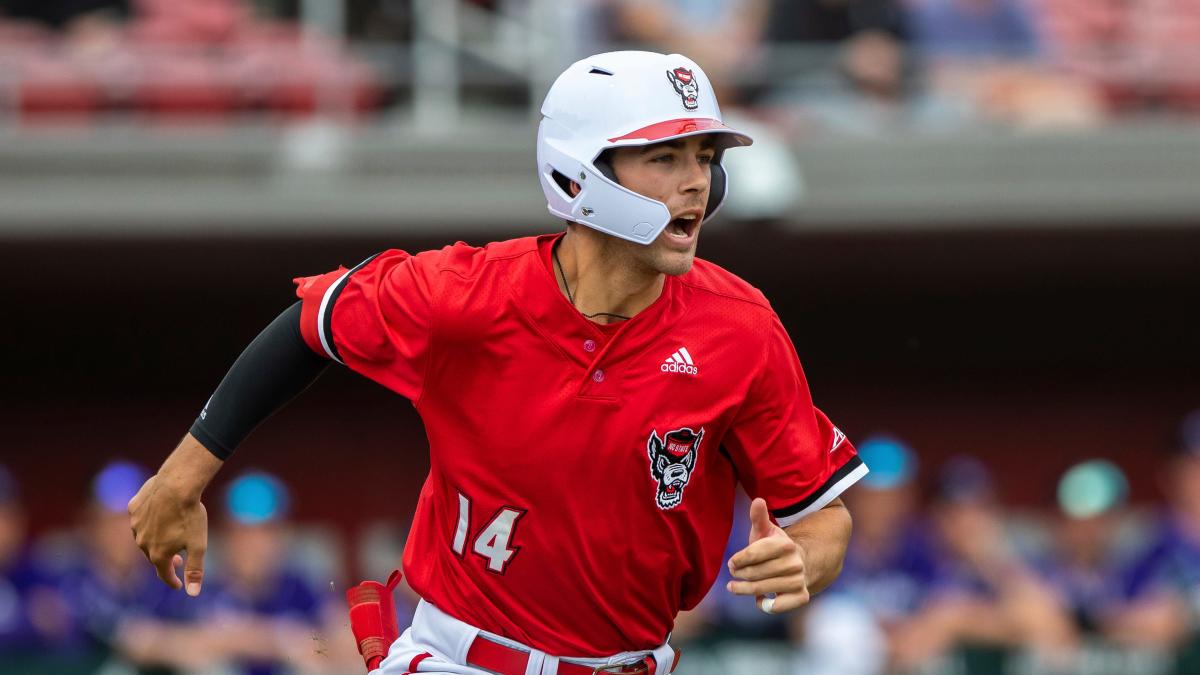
493 542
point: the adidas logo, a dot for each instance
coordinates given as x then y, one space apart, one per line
838 439
680 362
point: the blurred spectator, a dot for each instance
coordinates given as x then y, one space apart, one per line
871 35
990 29
123 610
832 21
924 64
986 53
888 572
34 618
1085 567
64 14
88 26
843 65
988 602
723 36
271 618
1143 54
1164 584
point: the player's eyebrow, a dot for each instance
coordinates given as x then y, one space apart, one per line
706 143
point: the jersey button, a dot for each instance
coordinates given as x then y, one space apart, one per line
589 345
597 375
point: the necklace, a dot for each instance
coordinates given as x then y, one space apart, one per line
571 296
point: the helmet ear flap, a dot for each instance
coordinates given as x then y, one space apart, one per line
718 184
718 181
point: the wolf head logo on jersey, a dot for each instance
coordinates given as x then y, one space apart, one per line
672 459
686 86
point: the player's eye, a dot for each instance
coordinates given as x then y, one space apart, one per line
706 158
664 158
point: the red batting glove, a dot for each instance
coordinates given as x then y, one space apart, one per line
373 618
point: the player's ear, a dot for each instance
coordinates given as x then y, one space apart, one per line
575 188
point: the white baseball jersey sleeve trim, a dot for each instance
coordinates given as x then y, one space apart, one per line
325 307
829 495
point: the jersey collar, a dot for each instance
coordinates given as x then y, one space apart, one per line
541 299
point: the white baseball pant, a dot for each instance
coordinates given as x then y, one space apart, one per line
438 643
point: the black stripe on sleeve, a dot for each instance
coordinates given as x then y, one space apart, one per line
847 468
327 319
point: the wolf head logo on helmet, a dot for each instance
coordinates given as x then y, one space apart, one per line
685 85
672 459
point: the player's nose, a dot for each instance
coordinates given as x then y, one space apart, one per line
697 177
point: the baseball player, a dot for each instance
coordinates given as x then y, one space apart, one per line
592 400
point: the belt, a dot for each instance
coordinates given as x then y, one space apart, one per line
504 660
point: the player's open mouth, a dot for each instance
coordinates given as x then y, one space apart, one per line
684 227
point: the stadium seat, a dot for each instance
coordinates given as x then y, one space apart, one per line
50 86
182 85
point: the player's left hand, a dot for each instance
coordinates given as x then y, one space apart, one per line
772 563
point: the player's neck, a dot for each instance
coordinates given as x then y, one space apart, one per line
602 279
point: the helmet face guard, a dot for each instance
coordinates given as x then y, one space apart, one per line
623 99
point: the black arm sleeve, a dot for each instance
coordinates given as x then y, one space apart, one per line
276 367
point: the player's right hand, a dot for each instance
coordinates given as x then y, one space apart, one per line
168 518
166 523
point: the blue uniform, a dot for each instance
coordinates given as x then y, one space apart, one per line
1170 565
1088 594
895 583
101 605
288 597
18 584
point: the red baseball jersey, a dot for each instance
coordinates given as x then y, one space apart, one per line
582 477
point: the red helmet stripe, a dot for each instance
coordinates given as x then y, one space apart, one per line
670 128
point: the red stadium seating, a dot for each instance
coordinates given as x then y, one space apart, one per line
184 85
51 86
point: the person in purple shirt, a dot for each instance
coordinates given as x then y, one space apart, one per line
1163 584
35 620
865 620
889 562
1092 542
988 603
273 618
124 616
1087 557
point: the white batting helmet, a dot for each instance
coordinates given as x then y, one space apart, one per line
622 99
